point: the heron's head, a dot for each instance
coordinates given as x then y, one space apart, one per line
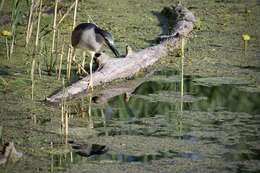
108 37
109 41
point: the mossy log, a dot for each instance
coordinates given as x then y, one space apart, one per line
117 68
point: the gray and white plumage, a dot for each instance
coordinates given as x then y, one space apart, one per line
88 36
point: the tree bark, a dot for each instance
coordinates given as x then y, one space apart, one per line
116 68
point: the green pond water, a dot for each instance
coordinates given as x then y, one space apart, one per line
214 127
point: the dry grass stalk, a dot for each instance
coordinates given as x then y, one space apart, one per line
39 69
38 25
72 57
63 107
82 108
7 48
80 67
66 126
75 13
52 62
61 57
29 25
39 62
2 5
30 31
36 48
182 64
57 52
62 117
12 47
64 114
90 19
32 78
66 14
182 71
69 62
91 123
54 26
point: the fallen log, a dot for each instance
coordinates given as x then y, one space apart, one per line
128 87
117 68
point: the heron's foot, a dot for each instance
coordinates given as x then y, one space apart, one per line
90 85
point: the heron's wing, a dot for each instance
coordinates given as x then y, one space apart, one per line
77 32
75 37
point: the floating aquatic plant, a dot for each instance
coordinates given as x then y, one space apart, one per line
245 38
7 34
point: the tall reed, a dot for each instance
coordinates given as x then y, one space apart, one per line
66 126
75 14
32 77
63 104
38 26
91 122
36 48
61 58
68 70
179 116
53 60
72 51
16 18
29 24
2 5
182 66
7 48
66 14
40 57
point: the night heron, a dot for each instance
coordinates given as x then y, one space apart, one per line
88 36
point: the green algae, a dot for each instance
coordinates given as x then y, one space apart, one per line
214 50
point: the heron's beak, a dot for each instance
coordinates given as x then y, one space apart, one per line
112 47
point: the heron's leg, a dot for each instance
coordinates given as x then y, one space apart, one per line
73 54
83 59
90 85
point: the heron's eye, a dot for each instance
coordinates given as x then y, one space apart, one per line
110 40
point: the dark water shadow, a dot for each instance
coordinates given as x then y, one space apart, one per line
146 157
